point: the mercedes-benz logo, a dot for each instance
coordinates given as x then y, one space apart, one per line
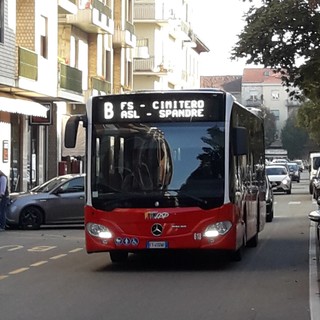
156 229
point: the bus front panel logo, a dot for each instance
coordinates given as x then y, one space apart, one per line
156 229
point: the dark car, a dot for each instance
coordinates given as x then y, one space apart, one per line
58 201
316 185
269 200
294 171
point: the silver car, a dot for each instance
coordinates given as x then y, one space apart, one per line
279 178
58 201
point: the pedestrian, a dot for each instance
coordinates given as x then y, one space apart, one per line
4 198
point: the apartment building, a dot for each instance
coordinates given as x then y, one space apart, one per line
56 54
167 51
263 87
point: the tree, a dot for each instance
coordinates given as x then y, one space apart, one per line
269 126
308 117
278 35
293 138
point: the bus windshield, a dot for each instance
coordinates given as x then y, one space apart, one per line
158 165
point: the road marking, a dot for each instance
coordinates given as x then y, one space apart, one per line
18 270
76 250
41 248
294 202
12 247
37 264
59 256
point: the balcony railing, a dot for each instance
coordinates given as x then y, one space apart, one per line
28 64
253 103
150 11
150 65
100 85
70 78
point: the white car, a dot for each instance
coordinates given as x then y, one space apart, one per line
279 178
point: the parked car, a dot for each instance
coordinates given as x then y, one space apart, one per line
279 178
316 185
58 201
315 217
294 171
269 200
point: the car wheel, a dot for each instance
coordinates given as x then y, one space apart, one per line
118 256
289 191
269 217
30 218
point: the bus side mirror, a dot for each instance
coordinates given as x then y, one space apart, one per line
240 141
71 130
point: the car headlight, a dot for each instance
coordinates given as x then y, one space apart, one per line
216 229
285 181
98 230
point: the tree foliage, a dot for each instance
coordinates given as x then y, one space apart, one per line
293 138
279 35
285 35
269 126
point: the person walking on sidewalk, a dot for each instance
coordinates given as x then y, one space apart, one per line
4 198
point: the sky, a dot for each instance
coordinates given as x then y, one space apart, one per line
217 24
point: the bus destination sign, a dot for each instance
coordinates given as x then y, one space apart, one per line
116 109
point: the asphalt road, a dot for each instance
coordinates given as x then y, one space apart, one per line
47 274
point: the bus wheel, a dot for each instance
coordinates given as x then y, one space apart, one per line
118 256
238 254
253 242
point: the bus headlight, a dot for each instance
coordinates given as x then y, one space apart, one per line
219 228
98 230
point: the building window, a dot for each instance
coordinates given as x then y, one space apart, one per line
2 21
44 37
276 114
275 95
253 95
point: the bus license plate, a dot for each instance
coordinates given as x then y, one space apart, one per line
157 244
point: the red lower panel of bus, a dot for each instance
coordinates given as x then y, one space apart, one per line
164 228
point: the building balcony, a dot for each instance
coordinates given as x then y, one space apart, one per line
100 86
70 83
253 103
150 66
27 64
94 17
67 7
146 12
124 38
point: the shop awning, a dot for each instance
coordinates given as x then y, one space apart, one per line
26 107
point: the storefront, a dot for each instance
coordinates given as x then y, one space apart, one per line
23 143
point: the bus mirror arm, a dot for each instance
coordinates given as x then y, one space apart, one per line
71 130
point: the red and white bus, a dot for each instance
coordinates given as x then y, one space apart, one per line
168 170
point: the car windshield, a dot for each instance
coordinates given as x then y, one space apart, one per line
293 167
276 171
49 185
